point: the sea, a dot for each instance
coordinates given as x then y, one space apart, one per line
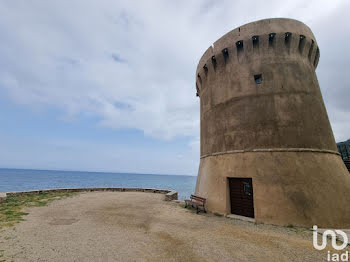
30 179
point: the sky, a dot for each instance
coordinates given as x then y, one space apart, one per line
110 85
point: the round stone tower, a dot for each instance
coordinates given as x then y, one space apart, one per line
267 147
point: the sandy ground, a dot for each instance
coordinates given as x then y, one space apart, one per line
133 226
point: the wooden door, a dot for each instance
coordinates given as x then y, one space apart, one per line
241 196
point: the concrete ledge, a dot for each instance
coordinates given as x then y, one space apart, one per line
248 219
2 197
178 201
172 195
169 194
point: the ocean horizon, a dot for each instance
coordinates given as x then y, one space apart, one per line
13 179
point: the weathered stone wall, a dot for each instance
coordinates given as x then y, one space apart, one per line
169 194
269 128
238 114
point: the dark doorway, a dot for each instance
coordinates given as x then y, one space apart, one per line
241 196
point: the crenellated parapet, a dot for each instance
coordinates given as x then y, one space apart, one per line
259 42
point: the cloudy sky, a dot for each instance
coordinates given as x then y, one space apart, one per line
109 85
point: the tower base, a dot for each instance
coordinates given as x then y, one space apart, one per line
288 188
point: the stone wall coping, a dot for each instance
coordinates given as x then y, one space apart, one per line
169 194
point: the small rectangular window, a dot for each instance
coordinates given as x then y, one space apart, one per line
247 189
258 78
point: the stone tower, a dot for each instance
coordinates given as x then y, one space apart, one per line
267 147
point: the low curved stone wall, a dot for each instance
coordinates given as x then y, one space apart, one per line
169 194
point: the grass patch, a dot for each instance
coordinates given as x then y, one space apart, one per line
189 207
11 210
218 214
2 256
182 205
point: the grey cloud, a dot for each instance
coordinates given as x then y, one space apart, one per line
160 42
332 35
117 58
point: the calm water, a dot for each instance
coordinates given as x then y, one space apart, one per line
26 179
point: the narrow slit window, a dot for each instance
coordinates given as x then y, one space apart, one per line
205 68
301 43
287 38
213 60
225 53
239 45
311 49
199 78
255 40
272 39
316 56
258 79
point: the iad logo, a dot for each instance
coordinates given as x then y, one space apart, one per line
332 234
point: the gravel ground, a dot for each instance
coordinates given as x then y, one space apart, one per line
133 226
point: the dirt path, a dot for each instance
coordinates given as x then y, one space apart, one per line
132 226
